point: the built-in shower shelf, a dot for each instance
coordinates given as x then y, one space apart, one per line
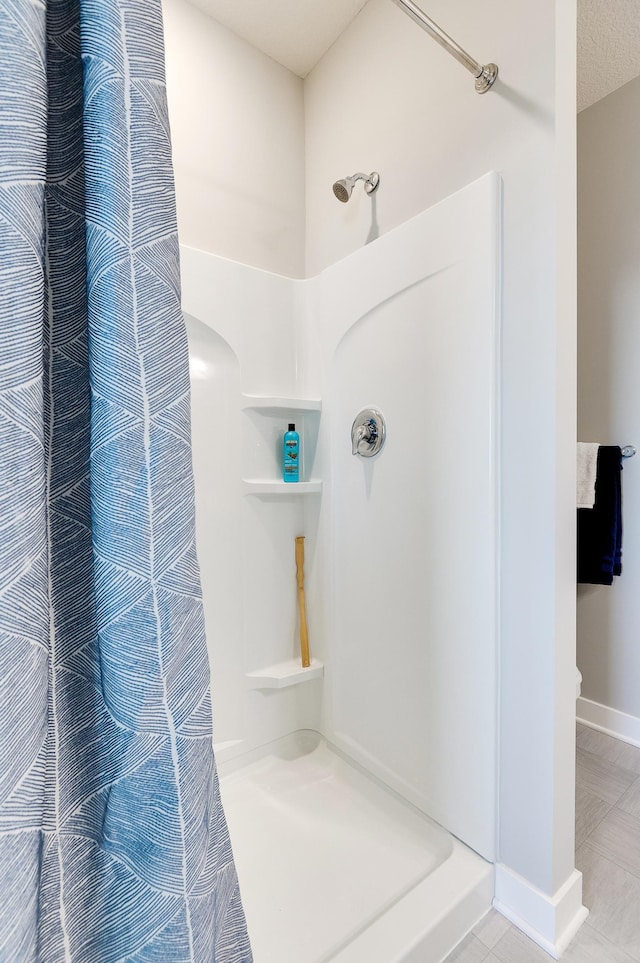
257 486
284 674
272 403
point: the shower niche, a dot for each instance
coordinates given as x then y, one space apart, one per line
265 421
380 770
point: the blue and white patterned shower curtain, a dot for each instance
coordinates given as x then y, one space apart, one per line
113 843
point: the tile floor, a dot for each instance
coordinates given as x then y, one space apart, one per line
607 854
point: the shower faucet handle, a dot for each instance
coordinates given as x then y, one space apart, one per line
368 433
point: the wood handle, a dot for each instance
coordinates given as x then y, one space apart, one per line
302 605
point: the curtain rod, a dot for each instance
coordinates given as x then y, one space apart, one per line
485 75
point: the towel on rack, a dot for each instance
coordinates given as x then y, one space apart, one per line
586 471
600 528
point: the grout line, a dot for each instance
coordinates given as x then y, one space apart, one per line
612 806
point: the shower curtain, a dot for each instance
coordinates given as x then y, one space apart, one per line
113 842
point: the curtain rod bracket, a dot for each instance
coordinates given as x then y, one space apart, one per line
486 79
485 74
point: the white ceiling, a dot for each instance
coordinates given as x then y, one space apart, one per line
608 47
297 33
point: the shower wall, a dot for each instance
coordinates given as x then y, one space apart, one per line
241 324
409 538
401 550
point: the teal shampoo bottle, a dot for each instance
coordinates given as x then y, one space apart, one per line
291 455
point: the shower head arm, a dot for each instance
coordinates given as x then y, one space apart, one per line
371 180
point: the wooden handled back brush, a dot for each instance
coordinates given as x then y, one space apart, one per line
302 606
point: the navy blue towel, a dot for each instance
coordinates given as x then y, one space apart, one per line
600 527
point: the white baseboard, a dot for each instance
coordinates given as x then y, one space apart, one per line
608 720
550 921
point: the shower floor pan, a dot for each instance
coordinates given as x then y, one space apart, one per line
336 868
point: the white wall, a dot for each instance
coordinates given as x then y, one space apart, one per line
408 548
609 385
238 144
385 97
245 543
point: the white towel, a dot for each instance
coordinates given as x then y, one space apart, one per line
587 468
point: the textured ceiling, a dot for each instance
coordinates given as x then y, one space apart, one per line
608 47
296 33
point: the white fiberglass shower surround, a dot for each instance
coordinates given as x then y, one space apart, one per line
361 792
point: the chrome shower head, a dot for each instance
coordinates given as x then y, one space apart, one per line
343 189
